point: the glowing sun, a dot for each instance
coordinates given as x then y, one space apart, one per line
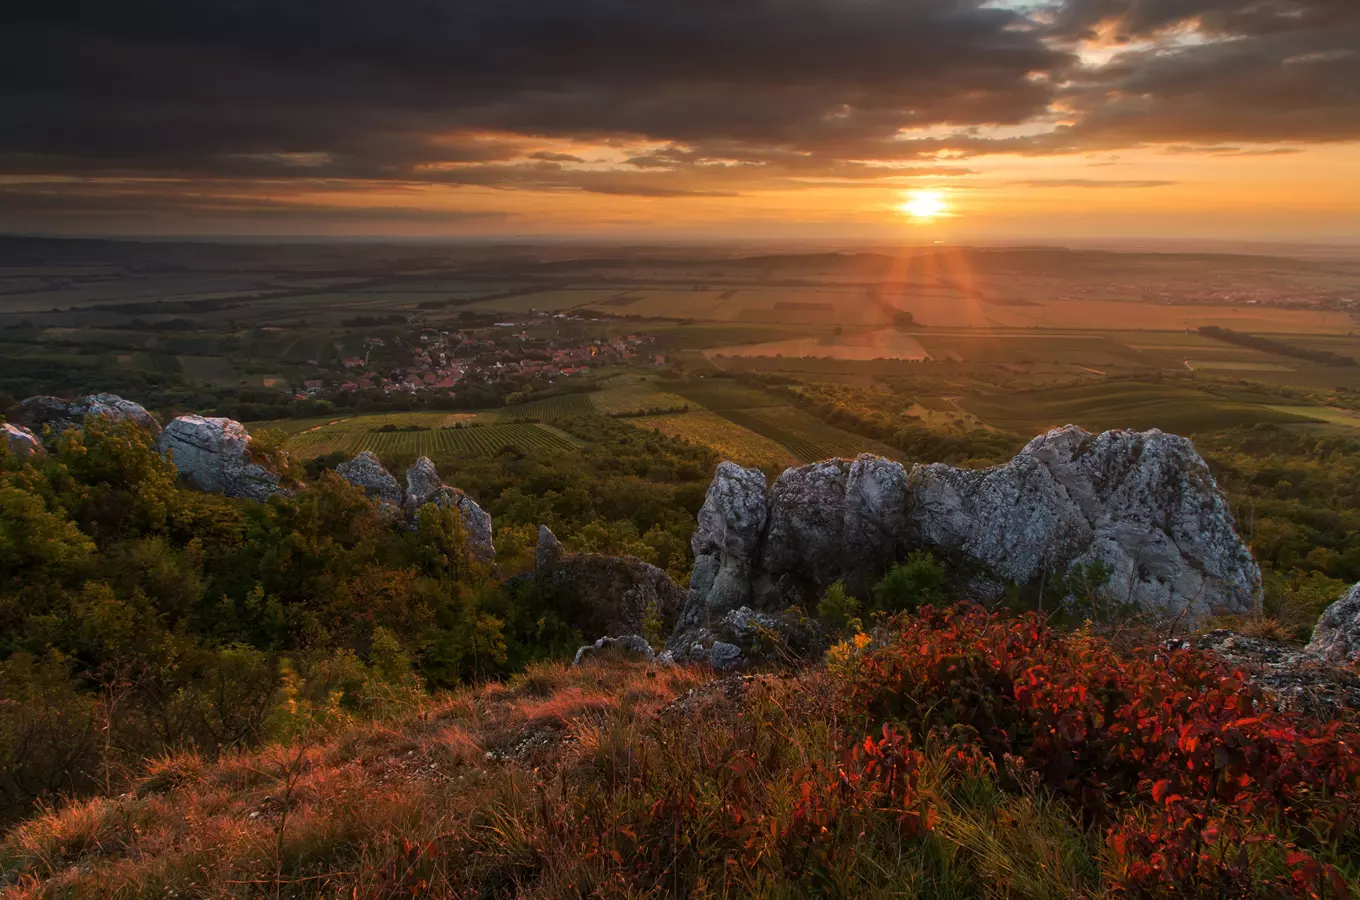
925 205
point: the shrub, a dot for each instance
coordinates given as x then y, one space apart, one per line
839 611
1195 777
915 583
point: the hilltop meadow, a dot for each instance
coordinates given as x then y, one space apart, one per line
205 697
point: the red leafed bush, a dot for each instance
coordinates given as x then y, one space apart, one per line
1197 779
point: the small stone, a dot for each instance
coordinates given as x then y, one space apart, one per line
723 656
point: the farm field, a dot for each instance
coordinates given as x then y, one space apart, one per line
563 406
635 399
358 434
208 369
1331 415
1106 405
669 303
884 343
804 436
547 301
728 439
719 395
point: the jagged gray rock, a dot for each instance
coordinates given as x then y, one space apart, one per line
423 485
215 455
604 594
21 442
59 414
1142 503
549 549
631 644
366 471
726 544
1336 637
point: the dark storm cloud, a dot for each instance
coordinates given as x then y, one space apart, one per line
191 83
710 97
1210 71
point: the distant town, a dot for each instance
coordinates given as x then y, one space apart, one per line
430 360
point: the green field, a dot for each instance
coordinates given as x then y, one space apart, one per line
725 437
719 395
358 434
549 409
1105 405
631 400
208 369
805 437
164 363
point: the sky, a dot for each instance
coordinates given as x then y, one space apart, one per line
683 119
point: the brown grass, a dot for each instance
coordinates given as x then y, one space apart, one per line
311 820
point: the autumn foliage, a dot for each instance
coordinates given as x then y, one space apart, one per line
1203 788
955 753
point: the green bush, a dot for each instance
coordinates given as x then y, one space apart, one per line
914 583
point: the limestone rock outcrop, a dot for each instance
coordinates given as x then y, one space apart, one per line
423 485
215 455
1336 637
604 594
367 472
21 442
59 414
634 645
1141 503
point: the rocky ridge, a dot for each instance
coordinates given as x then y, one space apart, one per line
1143 504
423 485
59 415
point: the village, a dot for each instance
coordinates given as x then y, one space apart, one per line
430 360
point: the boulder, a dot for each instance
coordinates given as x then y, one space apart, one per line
748 634
22 443
1336 638
215 455
59 414
630 644
423 485
1143 504
604 594
367 472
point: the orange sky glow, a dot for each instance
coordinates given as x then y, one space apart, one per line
1232 120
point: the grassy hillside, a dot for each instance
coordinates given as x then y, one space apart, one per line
955 754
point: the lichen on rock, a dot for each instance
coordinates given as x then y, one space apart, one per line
367 472
1142 504
215 455
58 415
1336 638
